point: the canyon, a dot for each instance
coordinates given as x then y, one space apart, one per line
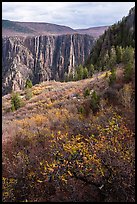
68 140
42 52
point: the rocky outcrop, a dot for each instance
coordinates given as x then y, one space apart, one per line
41 58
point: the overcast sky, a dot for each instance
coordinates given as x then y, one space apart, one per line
72 14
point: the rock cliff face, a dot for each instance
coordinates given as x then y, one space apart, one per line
41 58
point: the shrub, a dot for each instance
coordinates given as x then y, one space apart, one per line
125 95
29 94
87 107
15 101
111 95
69 160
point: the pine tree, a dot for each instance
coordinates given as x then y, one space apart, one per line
85 73
119 54
95 102
15 101
128 71
91 70
112 77
86 92
113 58
128 55
75 76
106 59
80 72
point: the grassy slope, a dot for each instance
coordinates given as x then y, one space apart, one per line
59 151
50 95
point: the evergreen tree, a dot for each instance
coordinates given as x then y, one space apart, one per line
95 102
128 55
106 59
15 101
128 71
75 76
112 77
117 36
28 83
80 72
119 54
113 58
91 70
86 92
85 73
128 60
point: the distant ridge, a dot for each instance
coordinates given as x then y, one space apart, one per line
94 31
15 28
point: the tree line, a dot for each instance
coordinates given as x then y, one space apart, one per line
110 59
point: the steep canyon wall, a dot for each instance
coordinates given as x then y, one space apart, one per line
41 58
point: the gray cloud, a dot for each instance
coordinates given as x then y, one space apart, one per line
73 14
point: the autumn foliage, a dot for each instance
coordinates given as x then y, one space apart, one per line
57 153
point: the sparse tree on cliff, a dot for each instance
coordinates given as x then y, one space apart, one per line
28 83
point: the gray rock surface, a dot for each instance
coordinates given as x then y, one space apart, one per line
41 58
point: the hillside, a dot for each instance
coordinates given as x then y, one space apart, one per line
71 140
15 28
56 148
94 31
117 36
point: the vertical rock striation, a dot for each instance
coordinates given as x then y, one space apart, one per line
41 58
